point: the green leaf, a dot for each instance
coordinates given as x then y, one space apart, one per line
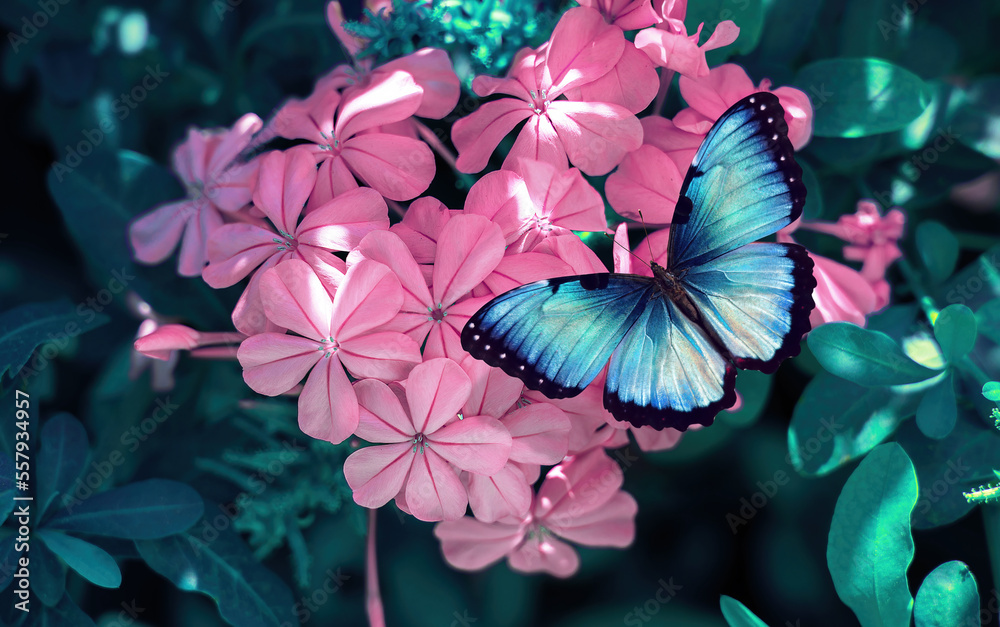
870 545
955 331
938 249
977 118
865 96
48 574
216 562
754 388
92 562
27 327
836 421
991 390
868 358
62 457
787 26
813 208
66 613
948 596
938 409
737 614
138 511
988 320
7 491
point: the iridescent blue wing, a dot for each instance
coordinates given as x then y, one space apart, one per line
743 184
667 373
557 334
757 300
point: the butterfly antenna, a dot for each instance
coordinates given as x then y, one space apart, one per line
615 242
646 231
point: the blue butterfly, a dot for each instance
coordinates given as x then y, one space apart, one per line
721 302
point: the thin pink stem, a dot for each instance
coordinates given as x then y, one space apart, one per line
435 143
373 600
666 76
215 337
215 352
396 207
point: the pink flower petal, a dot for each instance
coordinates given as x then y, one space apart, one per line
341 223
421 227
676 143
164 340
579 485
610 525
433 490
435 392
545 553
571 250
387 248
476 136
493 391
295 299
383 419
155 235
328 407
564 197
477 444
388 355
390 97
503 494
232 189
235 250
651 440
469 544
538 141
432 70
249 317
521 268
596 135
193 256
286 180
631 83
376 473
397 167
231 143
540 433
582 47
503 198
469 249
369 297
274 363
648 181
334 178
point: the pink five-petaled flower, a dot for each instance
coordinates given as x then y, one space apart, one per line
579 500
670 46
346 141
335 335
204 162
286 178
593 135
534 201
709 97
469 248
423 442
539 433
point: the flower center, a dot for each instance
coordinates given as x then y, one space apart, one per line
329 346
539 101
437 315
332 144
418 443
287 241
542 223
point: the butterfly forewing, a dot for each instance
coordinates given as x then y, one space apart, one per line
557 334
743 184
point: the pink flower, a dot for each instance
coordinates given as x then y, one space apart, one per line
535 201
670 46
594 136
421 227
468 250
841 294
710 95
333 335
871 238
625 14
205 164
346 141
579 500
286 179
423 442
539 433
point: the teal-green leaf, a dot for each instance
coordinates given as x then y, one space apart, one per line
938 409
148 509
92 562
938 249
62 456
25 328
977 118
870 544
947 597
222 567
836 421
864 357
988 320
66 613
991 390
754 390
7 489
955 331
865 96
737 614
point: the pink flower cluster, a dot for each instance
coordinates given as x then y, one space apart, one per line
360 318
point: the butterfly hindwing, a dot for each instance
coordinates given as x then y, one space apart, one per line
557 334
667 373
743 184
757 299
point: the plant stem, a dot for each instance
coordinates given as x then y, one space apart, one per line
438 146
666 76
373 600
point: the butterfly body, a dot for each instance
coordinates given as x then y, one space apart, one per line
670 344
